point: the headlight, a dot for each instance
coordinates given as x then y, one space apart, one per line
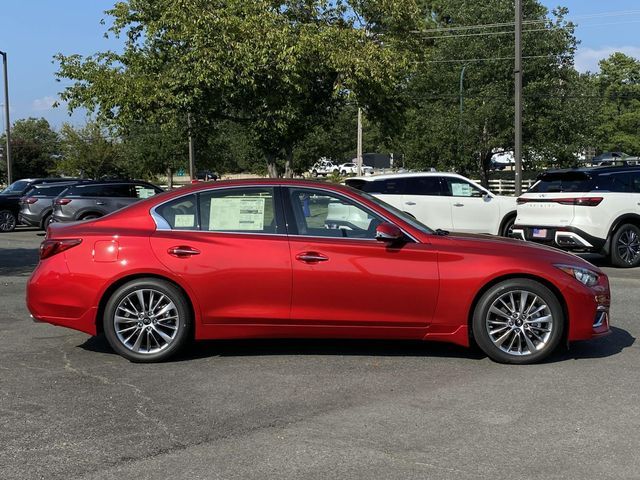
583 275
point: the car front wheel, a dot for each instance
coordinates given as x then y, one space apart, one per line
7 221
518 321
625 246
147 320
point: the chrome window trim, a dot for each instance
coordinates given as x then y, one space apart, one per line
163 225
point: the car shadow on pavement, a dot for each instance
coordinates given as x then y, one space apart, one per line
618 340
339 347
612 344
18 261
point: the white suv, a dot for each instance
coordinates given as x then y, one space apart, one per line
351 168
586 209
447 201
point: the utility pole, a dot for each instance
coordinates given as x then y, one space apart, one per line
518 100
192 159
6 118
359 154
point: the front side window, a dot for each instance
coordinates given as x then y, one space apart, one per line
322 214
244 210
461 188
144 191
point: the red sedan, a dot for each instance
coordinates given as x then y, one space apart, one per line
277 258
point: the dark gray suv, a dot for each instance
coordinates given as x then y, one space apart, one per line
95 199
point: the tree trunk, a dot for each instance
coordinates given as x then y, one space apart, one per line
485 161
288 164
170 178
272 167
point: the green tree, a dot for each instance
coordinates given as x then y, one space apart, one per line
618 85
34 148
280 68
89 153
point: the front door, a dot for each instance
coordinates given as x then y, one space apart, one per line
472 210
343 277
230 247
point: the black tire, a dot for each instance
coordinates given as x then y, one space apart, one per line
507 226
552 318
90 216
182 322
314 173
46 221
625 246
8 221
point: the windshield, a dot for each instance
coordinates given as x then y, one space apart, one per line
16 187
410 219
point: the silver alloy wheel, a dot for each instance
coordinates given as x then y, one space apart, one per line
628 246
519 322
7 221
146 321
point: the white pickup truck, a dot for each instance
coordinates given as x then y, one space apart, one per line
323 168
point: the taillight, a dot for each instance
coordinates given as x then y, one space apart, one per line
578 201
63 201
30 200
49 248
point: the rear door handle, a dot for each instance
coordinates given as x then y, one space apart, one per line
311 257
409 203
183 251
99 203
458 204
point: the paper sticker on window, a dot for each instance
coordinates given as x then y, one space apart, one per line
145 192
461 190
237 213
184 221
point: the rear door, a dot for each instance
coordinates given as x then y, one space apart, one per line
425 198
230 246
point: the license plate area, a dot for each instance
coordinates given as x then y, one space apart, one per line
539 232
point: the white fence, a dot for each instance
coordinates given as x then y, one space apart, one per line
507 187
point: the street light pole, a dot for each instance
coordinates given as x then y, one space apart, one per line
517 151
460 136
6 117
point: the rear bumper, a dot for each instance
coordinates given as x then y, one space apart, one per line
29 219
566 238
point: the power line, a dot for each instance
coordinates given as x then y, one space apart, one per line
525 22
485 59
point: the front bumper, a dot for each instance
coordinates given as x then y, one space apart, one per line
565 238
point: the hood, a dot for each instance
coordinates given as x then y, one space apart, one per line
520 248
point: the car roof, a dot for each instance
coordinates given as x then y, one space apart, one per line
89 183
597 170
390 176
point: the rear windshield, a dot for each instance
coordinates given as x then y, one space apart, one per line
563 182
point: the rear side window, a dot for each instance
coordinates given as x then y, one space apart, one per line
108 190
144 191
430 185
42 191
626 182
244 210
389 186
180 213
563 182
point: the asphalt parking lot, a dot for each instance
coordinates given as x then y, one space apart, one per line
70 408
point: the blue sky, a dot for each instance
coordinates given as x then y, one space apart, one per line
32 31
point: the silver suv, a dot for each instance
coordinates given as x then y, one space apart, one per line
93 200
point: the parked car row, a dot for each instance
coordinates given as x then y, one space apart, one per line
39 202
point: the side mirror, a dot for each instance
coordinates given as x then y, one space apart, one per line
388 232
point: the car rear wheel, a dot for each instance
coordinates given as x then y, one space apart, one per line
518 321
147 320
625 246
7 221
46 221
91 216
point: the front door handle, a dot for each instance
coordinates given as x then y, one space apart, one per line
409 203
183 251
311 257
458 204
